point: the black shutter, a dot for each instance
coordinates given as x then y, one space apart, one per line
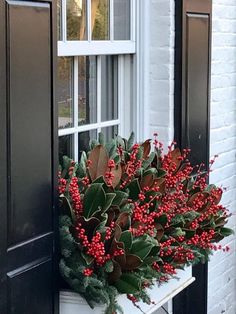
192 97
27 154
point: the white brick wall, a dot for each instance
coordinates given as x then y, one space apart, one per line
161 79
222 268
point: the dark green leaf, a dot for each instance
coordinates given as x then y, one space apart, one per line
94 199
109 199
126 238
134 189
128 283
120 197
130 142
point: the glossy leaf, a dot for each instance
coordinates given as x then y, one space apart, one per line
94 199
99 159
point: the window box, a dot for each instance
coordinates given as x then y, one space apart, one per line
72 303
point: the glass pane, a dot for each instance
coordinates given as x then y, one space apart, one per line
109 87
121 19
100 19
65 147
65 92
76 20
84 139
59 16
110 132
87 90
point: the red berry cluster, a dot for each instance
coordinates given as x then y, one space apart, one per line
75 196
96 247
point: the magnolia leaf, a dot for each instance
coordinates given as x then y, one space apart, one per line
127 238
124 220
146 163
175 157
141 248
89 225
116 273
159 231
161 173
134 189
99 161
132 262
130 141
147 181
120 197
109 267
94 199
117 172
128 283
111 148
66 207
146 148
120 141
109 199
101 138
225 232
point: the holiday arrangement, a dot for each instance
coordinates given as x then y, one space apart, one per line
131 216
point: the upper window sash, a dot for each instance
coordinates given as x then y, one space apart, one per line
95 47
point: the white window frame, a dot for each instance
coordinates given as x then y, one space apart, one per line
124 49
98 47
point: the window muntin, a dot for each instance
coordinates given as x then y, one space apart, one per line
92 40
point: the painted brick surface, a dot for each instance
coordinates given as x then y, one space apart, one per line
161 79
222 267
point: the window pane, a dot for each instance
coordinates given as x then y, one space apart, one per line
110 132
76 20
100 19
65 92
65 147
121 19
59 20
87 90
109 87
84 139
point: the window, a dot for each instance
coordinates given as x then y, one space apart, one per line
95 55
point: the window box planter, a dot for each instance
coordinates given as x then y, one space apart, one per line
73 303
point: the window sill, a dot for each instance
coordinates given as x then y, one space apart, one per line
72 303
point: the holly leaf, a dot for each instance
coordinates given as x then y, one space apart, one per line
94 199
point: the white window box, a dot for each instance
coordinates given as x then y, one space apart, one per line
72 303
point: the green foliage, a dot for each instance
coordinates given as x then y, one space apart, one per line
126 213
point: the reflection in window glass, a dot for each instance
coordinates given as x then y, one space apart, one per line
121 19
76 20
100 19
110 132
84 139
65 147
109 87
87 90
59 16
65 92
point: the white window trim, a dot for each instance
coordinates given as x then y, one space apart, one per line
95 47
